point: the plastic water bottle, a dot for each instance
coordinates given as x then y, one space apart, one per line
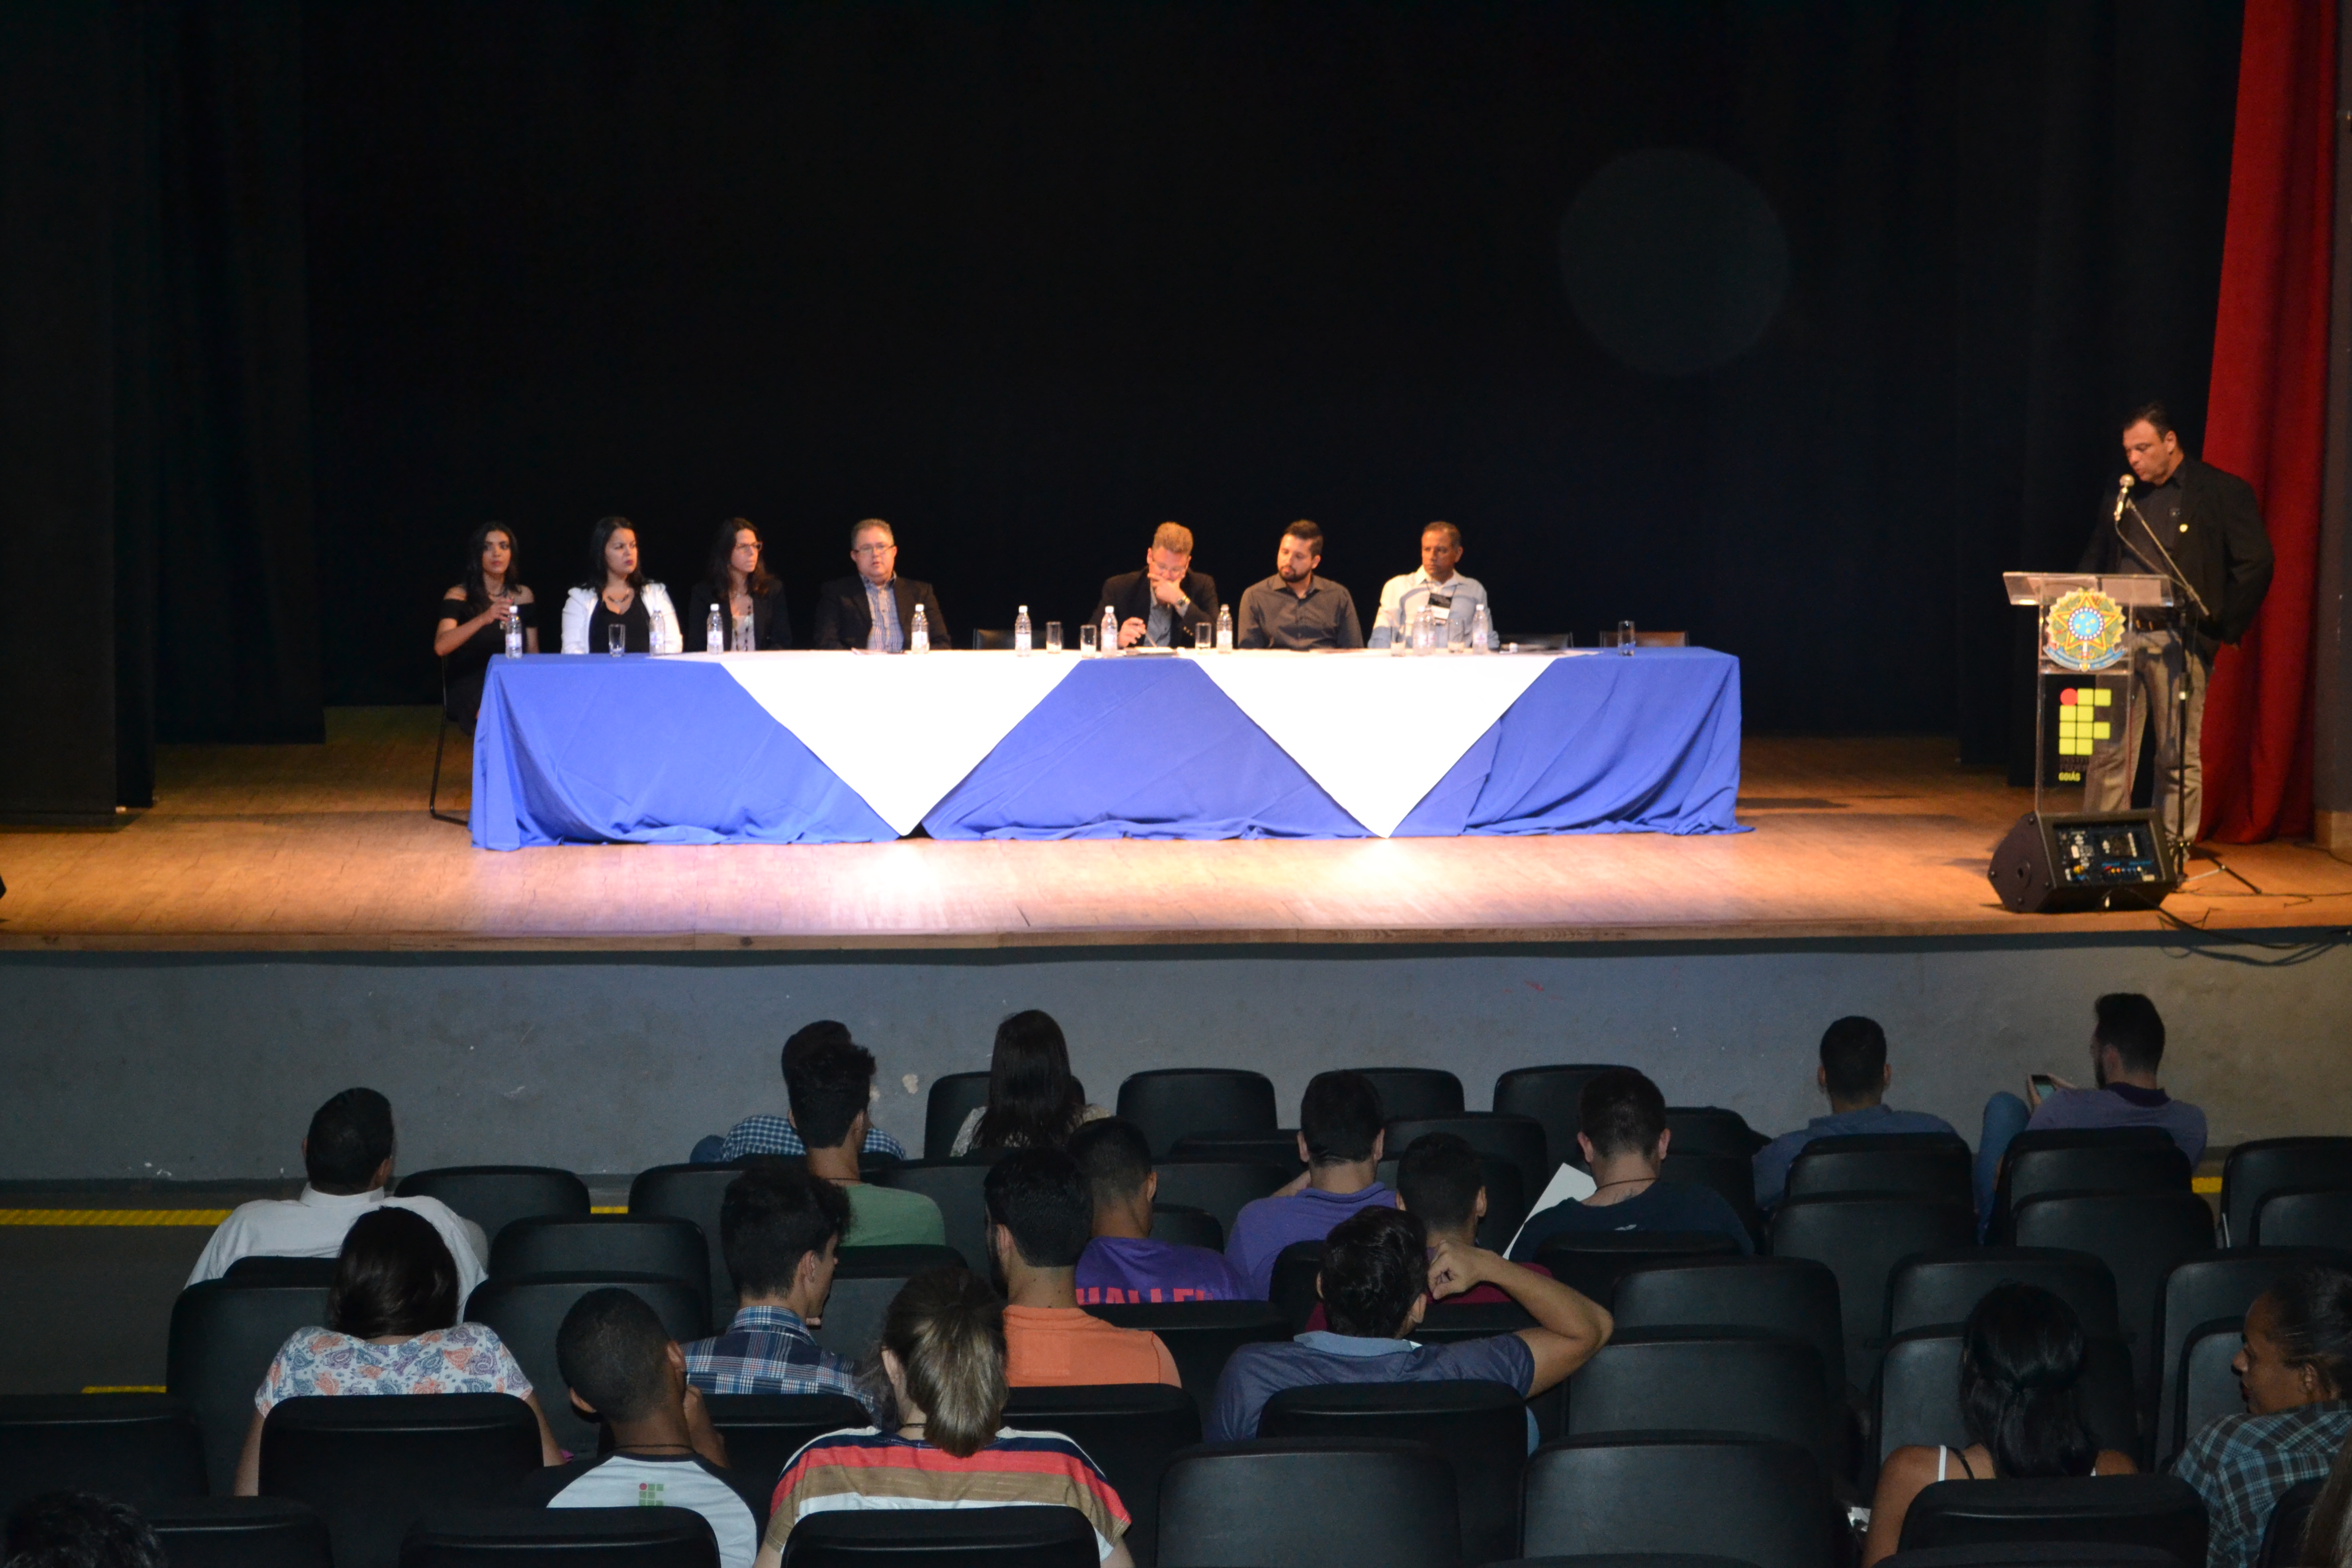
918 636
1482 633
1021 631
1225 628
1109 631
713 639
512 617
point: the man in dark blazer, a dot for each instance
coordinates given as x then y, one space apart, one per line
2189 521
846 608
1161 605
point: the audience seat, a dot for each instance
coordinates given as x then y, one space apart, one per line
694 1193
224 1336
1447 1323
463 1537
2206 1385
2095 1160
1506 1202
1275 1146
1593 1262
372 1465
664 1245
1310 1502
1130 1431
1219 1188
2140 1237
2198 1292
494 1195
1794 1298
1187 1226
865 1283
763 1431
138 1448
528 1308
1918 1394
1712 1130
1168 1102
1550 1095
959 1188
2306 1216
954 1096
2161 1511
1628 1560
1761 1501
1933 1165
1859 1240
1714 1380
240 1533
1480 1429
2282 1544
1407 1092
944 1538
2035 1554
1201 1335
1936 1289
1293 1288
2258 1168
266 1269
1731 1175
1517 1139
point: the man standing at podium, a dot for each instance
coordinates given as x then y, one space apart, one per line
2183 519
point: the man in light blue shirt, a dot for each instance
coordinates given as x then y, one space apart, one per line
1437 584
1854 1075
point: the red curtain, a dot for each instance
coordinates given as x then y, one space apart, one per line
2267 419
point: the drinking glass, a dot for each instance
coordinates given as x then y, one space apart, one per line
617 638
1053 636
1625 636
1204 637
1090 636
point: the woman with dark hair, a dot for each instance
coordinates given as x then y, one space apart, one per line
944 1442
752 615
473 620
392 1327
2020 1404
2295 1373
1032 1100
616 593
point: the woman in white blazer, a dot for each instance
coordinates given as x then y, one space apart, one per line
617 594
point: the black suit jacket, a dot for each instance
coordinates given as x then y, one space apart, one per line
2222 550
843 620
771 622
1129 595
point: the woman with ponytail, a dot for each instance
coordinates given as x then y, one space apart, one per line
2021 1403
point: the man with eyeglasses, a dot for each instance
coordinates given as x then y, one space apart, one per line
875 609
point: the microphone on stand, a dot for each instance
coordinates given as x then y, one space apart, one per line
2123 496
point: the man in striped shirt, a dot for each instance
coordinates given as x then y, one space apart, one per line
780 1230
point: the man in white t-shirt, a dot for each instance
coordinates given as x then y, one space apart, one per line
1437 584
620 1365
348 1159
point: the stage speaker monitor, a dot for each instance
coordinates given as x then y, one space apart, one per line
2060 864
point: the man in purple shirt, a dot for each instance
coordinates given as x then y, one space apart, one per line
1122 1263
1339 1137
2126 1048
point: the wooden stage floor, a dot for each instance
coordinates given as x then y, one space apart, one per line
328 847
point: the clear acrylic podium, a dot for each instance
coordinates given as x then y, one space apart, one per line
2083 695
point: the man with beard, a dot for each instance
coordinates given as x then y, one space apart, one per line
1294 608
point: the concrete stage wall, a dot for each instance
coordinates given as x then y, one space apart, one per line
207 1066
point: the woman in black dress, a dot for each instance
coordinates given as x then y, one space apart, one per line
739 581
472 628
618 593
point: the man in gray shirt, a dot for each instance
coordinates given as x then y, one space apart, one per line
1295 608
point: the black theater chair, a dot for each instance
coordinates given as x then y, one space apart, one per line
1593 1262
1310 1502
2140 1237
2282 1544
2162 1511
1794 1298
1634 1560
528 1309
959 1188
2206 1386
461 1537
1712 1130
224 1336
1187 1226
1168 1103
1480 1429
1507 1199
943 1538
2262 1166
1933 1165
763 1431
138 1448
1130 1431
1936 1290
1274 1146
1730 1177
1219 1189
693 1192
2198 1292
1550 1095
1918 1394
1293 1288
494 1195
954 1096
1201 1336
1859 1240
1415 1092
2091 1160
2035 1554
1452 1322
264 1269
373 1465
2306 1216
1708 1380
1759 1502
1520 1140
240 1533
663 1245
865 1283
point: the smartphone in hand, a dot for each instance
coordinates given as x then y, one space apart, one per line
2040 1087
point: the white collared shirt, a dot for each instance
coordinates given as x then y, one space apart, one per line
313 1226
1402 598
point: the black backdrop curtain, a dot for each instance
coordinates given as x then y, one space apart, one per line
1026 280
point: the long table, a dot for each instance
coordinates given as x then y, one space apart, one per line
829 748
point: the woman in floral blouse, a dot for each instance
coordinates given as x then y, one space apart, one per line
392 1327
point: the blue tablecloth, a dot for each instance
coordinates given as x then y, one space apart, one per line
596 748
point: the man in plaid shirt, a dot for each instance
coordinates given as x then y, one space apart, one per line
766 1134
780 1230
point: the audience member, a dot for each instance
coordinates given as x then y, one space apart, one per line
1032 1100
621 1367
1854 1075
77 1530
828 1083
347 1157
2127 1049
392 1327
780 1230
943 1353
1341 1138
1123 1263
471 625
1160 606
1442 1183
616 593
1436 586
874 607
1378 1277
1040 1221
1621 1128
1295 608
769 1134
752 613
2295 1373
2021 1403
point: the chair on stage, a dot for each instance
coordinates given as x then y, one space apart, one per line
440 739
990 641
1645 639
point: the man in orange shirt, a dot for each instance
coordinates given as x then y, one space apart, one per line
1041 1214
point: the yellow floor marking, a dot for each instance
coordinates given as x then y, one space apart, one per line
125 1388
112 1216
